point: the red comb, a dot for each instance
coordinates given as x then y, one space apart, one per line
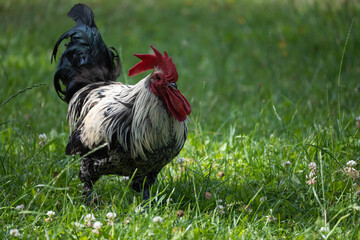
150 61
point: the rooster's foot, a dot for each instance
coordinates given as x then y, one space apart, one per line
87 193
146 197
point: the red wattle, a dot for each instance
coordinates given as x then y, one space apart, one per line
177 104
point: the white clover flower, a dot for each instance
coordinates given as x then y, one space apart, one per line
221 207
262 199
78 225
312 165
42 139
111 216
180 160
324 229
311 181
139 209
220 201
20 207
157 219
271 217
88 219
15 232
351 172
312 175
50 213
125 178
97 225
351 163
286 164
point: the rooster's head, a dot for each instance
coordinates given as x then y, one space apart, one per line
163 82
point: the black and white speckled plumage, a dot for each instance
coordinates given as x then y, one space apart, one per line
135 126
139 132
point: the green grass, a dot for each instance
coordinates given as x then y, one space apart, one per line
268 81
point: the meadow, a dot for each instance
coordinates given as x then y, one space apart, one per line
273 145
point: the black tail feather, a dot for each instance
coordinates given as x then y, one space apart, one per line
86 58
82 14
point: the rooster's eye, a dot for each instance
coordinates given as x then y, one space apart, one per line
158 77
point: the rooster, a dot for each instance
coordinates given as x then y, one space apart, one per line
127 130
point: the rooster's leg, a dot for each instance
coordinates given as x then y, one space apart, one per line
88 176
146 194
87 192
144 184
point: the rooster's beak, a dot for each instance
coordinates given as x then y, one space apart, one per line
173 85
